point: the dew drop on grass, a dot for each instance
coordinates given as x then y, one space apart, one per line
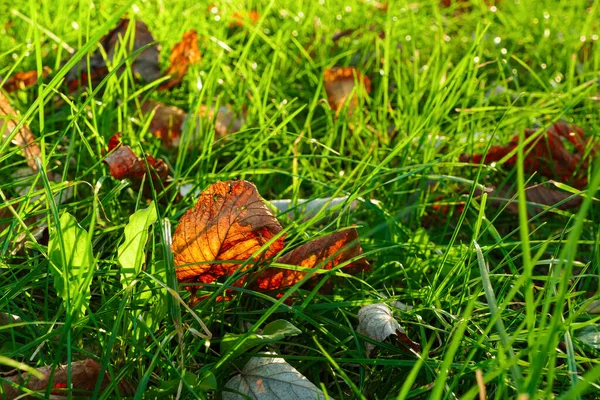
217 17
543 66
295 33
546 15
497 40
476 59
407 38
348 9
135 8
594 37
582 38
338 17
503 51
75 25
546 33
301 14
493 9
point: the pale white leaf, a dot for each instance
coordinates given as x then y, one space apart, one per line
271 378
377 322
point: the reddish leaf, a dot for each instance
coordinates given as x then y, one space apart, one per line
145 65
547 154
23 80
24 137
123 163
184 54
324 253
537 196
226 121
229 222
84 375
339 85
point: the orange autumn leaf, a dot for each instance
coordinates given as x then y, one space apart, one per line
123 163
339 85
547 154
23 80
184 54
230 222
326 252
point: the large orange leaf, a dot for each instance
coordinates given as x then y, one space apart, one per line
184 54
230 222
23 80
326 252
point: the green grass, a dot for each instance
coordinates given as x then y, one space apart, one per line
445 82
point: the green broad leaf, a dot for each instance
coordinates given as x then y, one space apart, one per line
72 263
272 332
590 335
131 253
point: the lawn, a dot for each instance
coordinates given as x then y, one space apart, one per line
435 271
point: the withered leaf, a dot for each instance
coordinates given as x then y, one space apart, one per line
168 122
123 163
230 222
23 80
547 154
339 85
326 252
377 322
184 54
84 375
145 65
240 18
24 138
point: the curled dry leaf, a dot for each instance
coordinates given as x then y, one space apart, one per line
377 322
168 122
84 375
324 253
230 222
184 54
145 65
24 138
271 378
123 163
547 154
339 85
23 80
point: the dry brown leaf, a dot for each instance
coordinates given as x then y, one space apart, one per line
326 252
24 138
168 122
145 65
84 375
123 163
339 85
184 54
230 222
240 18
23 80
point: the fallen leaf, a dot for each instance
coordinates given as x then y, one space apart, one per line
145 65
23 80
324 253
537 196
24 137
590 335
84 375
230 222
271 378
184 54
547 154
240 18
340 84
377 322
168 122
123 163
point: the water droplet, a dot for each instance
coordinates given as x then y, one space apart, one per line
348 9
301 14
558 78
394 18
546 33
297 18
199 84
497 40
476 60
254 65
407 38
514 71
503 51
543 65
493 9
214 10
295 33
535 20
217 17
546 15
220 81
594 37
341 173
381 72
75 25
582 38
447 38
338 17
135 8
